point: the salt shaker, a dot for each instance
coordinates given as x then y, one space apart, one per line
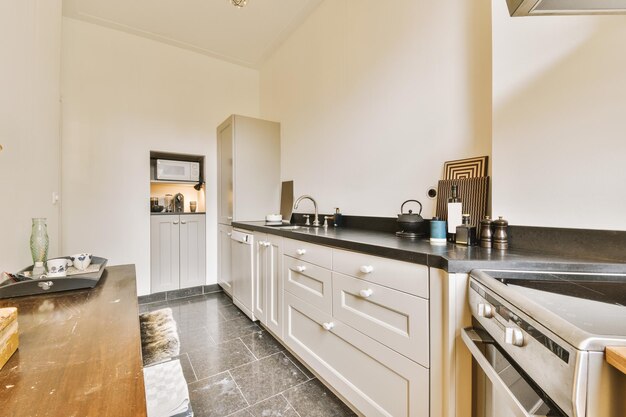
500 237
486 232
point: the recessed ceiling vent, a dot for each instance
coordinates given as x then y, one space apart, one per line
565 7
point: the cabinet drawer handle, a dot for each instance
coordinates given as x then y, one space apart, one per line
229 218
328 326
264 243
301 251
366 293
183 222
366 269
175 222
229 234
300 268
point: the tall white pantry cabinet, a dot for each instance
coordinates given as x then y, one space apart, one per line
248 170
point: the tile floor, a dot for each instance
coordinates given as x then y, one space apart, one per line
235 368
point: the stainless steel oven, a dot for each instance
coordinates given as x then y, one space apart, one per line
538 344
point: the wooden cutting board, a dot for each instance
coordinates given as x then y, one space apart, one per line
9 339
616 356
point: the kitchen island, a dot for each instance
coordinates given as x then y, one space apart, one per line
79 352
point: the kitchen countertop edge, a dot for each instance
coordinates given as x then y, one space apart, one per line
451 258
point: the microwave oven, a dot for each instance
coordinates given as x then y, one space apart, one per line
177 170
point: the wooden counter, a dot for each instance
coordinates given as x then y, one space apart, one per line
79 352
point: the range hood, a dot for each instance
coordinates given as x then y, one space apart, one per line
565 7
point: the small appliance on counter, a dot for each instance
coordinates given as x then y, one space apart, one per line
178 203
411 225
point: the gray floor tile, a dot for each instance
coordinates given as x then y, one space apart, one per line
194 339
262 344
230 312
188 372
219 358
242 413
313 399
217 396
300 366
266 377
232 329
275 406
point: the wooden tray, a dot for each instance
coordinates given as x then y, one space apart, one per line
48 285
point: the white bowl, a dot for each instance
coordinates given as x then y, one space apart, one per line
81 260
274 218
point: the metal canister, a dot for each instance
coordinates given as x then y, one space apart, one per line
486 232
500 235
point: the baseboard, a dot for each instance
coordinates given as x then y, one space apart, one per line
178 294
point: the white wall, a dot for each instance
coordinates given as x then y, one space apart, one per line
559 120
373 97
122 97
30 50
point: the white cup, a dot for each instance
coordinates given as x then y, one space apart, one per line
81 260
57 267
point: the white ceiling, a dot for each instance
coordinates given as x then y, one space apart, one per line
216 28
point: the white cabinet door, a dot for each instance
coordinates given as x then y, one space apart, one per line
376 380
310 282
261 272
192 250
242 269
225 172
274 286
164 252
224 259
394 318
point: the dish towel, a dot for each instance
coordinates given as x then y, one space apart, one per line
166 389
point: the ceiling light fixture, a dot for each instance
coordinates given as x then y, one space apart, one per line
238 3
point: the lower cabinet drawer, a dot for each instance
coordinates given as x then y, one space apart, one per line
372 377
395 319
309 282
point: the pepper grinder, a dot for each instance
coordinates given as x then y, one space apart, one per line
486 233
500 237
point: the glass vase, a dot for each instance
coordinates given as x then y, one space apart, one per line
39 241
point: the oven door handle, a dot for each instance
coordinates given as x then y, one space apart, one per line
470 337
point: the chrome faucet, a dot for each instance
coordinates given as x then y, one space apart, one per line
316 221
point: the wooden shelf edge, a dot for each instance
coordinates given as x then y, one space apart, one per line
616 356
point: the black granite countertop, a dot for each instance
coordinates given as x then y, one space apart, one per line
450 257
171 213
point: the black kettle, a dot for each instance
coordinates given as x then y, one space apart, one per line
411 222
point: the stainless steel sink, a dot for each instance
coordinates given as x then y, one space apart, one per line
291 227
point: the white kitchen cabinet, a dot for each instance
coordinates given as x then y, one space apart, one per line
248 179
177 251
248 169
274 286
394 318
267 282
164 253
375 379
362 323
242 271
223 258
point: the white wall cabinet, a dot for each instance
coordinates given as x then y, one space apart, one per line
177 251
248 159
267 281
224 278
